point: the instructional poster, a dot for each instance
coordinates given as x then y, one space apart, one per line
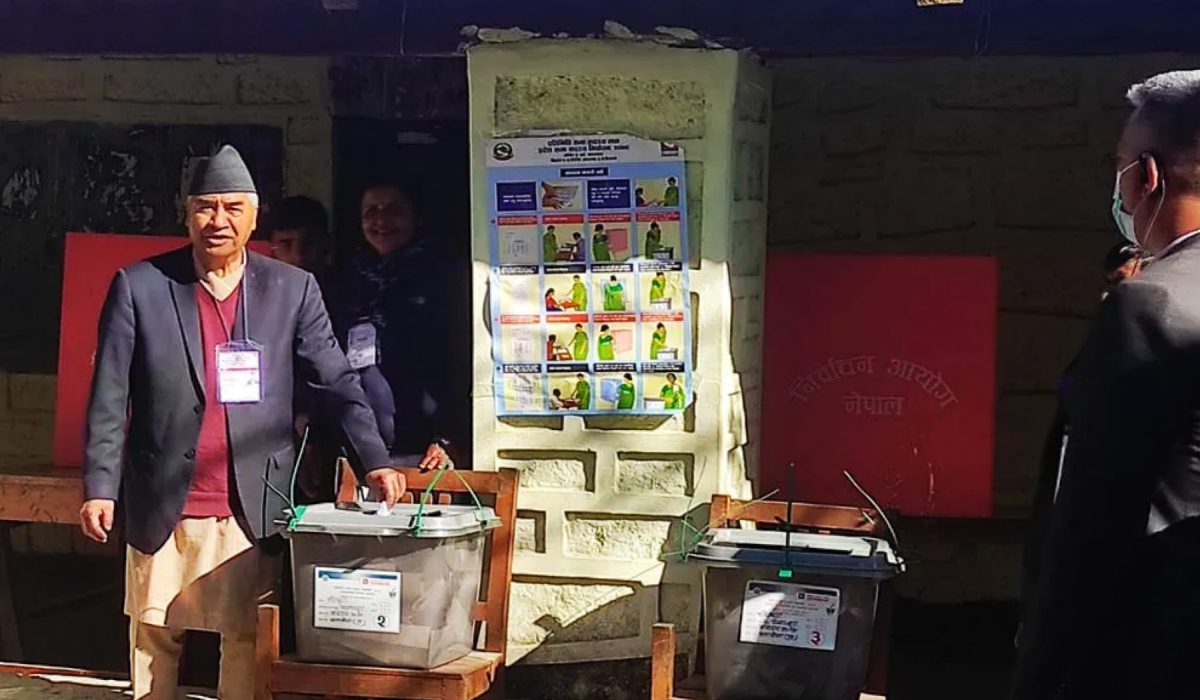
790 615
590 305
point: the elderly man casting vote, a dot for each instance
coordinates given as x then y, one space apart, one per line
1116 611
189 430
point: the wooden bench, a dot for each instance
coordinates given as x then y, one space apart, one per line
30 495
727 512
479 674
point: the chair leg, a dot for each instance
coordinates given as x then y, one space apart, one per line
266 651
662 662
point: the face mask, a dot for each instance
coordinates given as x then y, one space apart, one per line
1123 219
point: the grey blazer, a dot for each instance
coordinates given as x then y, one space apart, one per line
148 396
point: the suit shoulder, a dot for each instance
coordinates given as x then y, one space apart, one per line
280 272
171 264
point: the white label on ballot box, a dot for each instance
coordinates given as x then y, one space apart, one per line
356 599
790 615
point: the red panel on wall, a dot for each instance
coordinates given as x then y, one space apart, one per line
883 366
91 261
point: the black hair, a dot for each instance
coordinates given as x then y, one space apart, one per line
409 190
1120 254
303 214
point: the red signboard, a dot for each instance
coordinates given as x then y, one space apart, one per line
91 261
882 366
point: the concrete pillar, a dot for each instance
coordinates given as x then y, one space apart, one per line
602 497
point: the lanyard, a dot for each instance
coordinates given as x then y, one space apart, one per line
244 301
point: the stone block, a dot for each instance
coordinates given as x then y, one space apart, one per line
531 531
753 103
865 133
747 247
1068 193
45 538
853 91
276 87
587 679
1055 272
927 199
843 169
662 109
556 612
603 536
1022 423
236 59
954 132
27 440
152 82
50 81
306 170
4 407
307 130
32 392
680 603
663 474
574 471
1035 349
749 172
1007 84
838 212
1051 130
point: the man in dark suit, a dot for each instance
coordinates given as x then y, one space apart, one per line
1116 611
1123 261
189 429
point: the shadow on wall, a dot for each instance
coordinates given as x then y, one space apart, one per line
627 613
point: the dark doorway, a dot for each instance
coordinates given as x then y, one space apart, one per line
430 156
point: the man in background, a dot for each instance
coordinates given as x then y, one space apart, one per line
1115 613
298 231
1122 262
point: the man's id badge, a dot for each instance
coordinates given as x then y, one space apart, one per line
362 346
239 372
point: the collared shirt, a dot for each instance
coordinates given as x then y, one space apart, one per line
220 286
1176 243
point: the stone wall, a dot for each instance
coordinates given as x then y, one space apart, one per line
289 93
602 497
1007 157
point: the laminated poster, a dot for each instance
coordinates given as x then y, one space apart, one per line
790 615
589 277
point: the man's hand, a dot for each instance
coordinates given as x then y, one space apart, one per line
391 484
96 519
436 457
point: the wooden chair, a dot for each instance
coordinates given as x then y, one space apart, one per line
479 674
727 512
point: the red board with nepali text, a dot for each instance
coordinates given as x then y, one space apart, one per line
882 366
91 261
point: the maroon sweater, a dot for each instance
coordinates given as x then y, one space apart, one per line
209 496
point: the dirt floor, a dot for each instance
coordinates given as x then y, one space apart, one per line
70 615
